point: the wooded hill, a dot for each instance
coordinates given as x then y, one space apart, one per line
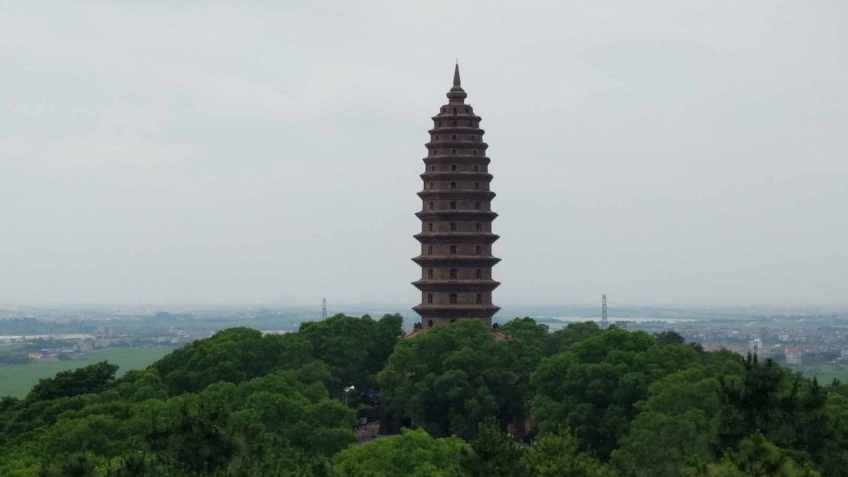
596 403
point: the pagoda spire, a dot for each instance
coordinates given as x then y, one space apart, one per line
457 95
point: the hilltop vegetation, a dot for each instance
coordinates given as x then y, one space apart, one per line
580 401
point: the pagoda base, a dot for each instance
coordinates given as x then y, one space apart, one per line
440 315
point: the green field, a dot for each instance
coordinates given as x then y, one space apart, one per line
18 380
824 373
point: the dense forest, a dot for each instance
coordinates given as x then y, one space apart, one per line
577 402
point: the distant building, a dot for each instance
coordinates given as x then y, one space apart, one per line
734 348
793 355
844 354
85 346
783 338
755 344
35 356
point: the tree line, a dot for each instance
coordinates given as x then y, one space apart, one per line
579 401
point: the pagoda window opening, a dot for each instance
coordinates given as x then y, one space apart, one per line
453 274
432 168
443 110
453 298
430 273
453 151
476 186
433 152
466 110
453 205
476 168
453 185
454 111
432 186
479 273
453 167
437 137
439 124
453 123
474 152
453 137
479 250
431 206
430 298
479 298
472 138
430 227
476 205
429 323
430 250
453 227
479 227
453 249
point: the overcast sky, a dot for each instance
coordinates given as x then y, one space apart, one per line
267 153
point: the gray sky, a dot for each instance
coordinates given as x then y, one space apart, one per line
674 152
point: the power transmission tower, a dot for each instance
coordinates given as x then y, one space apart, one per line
604 321
324 309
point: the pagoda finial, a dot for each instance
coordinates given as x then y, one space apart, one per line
456 94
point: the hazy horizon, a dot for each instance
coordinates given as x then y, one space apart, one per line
663 153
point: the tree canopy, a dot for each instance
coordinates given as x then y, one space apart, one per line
454 377
525 402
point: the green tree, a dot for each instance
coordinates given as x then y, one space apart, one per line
594 386
669 338
675 423
565 338
556 454
412 453
233 355
354 349
528 330
90 379
493 454
755 457
453 377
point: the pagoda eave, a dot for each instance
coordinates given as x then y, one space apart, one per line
456 237
457 144
456 285
457 175
455 261
451 159
480 215
458 117
457 194
457 129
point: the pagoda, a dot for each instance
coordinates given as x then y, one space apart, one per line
456 219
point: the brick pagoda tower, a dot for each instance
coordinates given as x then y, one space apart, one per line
456 218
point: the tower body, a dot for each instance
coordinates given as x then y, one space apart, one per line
456 218
604 321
